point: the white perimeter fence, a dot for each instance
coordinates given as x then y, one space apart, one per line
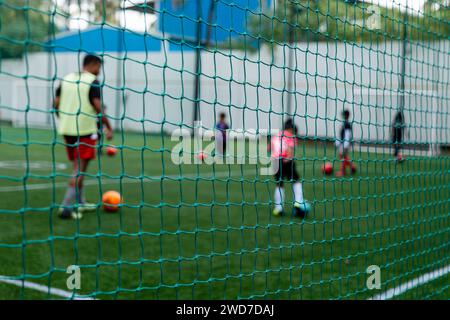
150 92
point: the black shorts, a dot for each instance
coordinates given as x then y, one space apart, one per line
287 171
397 136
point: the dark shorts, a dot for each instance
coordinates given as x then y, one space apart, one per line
287 171
83 148
221 146
397 136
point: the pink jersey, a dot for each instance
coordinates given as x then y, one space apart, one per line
282 146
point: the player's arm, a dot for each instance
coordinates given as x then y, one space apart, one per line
97 104
296 140
95 97
57 100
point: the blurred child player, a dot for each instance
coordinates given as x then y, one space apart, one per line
344 143
282 150
221 135
77 105
398 128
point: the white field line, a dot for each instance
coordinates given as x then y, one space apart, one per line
63 293
148 179
357 148
423 279
44 289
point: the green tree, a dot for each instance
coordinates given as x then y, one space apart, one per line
436 18
105 11
24 26
345 20
93 11
286 21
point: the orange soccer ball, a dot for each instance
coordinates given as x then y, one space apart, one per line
202 156
111 151
111 201
327 168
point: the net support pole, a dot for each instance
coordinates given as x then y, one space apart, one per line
211 13
291 72
403 61
434 149
198 52
119 77
50 100
293 14
401 85
197 68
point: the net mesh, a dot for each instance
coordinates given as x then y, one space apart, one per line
193 225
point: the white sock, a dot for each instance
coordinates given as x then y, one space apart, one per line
298 192
279 196
80 196
70 196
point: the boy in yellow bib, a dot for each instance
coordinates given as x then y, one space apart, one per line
78 105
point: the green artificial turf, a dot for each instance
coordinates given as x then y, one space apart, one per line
207 232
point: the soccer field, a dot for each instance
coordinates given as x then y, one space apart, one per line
207 232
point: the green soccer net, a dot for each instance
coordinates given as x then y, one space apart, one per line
196 220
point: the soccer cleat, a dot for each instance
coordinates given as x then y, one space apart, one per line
277 213
302 209
69 214
87 207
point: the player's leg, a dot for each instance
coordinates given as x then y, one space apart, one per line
301 207
279 190
81 199
81 151
219 144
278 199
396 150
87 153
342 157
345 162
349 163
66 210
340 148
395 143
224 147
75 191
298 192
399 146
